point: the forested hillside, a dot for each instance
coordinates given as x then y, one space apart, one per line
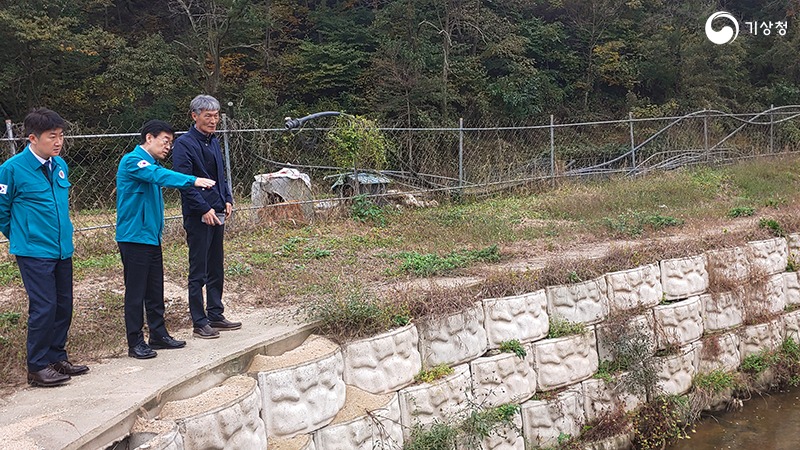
112 63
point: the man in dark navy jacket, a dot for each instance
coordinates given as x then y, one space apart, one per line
197 153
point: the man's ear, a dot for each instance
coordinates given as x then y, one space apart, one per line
33 139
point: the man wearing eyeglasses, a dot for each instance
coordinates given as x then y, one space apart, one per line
140 225
197 152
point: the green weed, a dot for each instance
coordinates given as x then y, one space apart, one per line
715 381
430 264
433 374
356 316
365 210
560 327
513 346
741 211
634 223
773 226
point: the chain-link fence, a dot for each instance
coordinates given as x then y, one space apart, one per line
472 159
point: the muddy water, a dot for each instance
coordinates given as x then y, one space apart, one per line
766 423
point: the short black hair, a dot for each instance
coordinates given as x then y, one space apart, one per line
155 127
40 120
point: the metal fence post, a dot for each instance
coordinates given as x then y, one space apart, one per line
552 148
705 135
633 142
461 152
227 151
771 129
12 149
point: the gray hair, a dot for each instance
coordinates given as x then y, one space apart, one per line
203 103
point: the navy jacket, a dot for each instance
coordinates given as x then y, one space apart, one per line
140 204
197 154
34 212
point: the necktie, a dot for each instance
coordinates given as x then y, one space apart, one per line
47 168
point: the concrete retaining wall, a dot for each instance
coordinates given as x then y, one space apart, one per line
302 405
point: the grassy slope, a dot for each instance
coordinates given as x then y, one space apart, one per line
338 257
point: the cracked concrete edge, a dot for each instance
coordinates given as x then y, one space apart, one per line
189 385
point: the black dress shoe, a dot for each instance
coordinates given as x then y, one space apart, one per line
206 332
67 368
225 325
142 351
166 343
47 377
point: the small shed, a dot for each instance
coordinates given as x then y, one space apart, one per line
350 184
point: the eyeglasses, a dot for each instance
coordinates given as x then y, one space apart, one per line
166 141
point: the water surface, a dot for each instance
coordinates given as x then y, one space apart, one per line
771 422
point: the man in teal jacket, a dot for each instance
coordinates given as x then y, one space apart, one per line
140 224
34 216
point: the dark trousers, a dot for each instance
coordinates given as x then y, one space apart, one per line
206 268
48 283
143 271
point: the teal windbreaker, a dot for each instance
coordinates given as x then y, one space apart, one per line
140 204
34 213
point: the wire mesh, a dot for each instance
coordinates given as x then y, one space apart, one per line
477 159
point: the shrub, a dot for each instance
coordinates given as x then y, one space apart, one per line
353 317
365 210
355 141
561 327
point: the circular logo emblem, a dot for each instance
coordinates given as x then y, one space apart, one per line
725 34
61 174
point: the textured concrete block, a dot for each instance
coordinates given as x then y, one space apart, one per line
353 429
727 264
791 323
507 438
523 317
678 323
564 361
600 397
585 302
769 256
634 288
684 277
793 246
677 372
791 286
301 442
225 417
156 435
717 352
442 400
722 311
383 363
543 421
775 294
763 336
301 396
639 328
454 339
504 378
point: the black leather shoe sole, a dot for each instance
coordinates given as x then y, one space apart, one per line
142 355
221 326
205 336
40 383
165 346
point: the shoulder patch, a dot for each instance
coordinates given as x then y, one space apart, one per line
142 163
61 174
3 189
